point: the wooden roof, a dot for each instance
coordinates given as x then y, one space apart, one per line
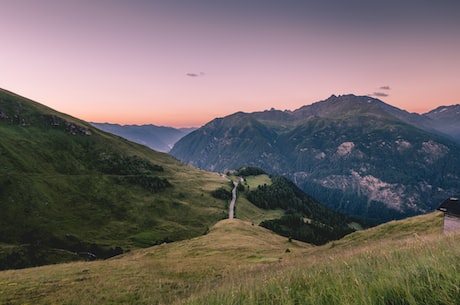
450 206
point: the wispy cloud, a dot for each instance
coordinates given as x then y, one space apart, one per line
379 94
195 74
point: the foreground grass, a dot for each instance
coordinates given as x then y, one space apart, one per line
382 269
404 262
422 272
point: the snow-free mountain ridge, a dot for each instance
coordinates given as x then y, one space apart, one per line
357 154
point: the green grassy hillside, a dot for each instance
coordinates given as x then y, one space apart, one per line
403 262
68 188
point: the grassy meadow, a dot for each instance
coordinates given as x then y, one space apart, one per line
402 262
254 181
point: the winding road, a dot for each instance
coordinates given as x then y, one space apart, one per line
231 212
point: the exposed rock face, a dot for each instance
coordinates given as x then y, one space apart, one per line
71 128
345 148
15 112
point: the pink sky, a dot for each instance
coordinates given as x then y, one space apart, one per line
184 62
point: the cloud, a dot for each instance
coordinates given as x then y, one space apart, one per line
379 94
195 74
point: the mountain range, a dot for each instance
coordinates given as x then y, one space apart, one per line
160 138
356 154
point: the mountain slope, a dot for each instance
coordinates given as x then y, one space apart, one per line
356 154
209 147
68 188
447 120
159 138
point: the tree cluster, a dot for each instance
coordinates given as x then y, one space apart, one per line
305 218
115 164
222 193
152 184
249 171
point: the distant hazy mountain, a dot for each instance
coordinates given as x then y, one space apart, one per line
447 120
354 153
159 138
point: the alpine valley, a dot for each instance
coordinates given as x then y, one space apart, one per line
356 154
69 191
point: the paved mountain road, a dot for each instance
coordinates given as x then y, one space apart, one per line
231 212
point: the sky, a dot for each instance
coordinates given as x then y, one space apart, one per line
182 63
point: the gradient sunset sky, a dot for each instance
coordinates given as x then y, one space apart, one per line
184 62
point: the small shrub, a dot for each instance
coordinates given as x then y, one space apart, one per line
222 193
